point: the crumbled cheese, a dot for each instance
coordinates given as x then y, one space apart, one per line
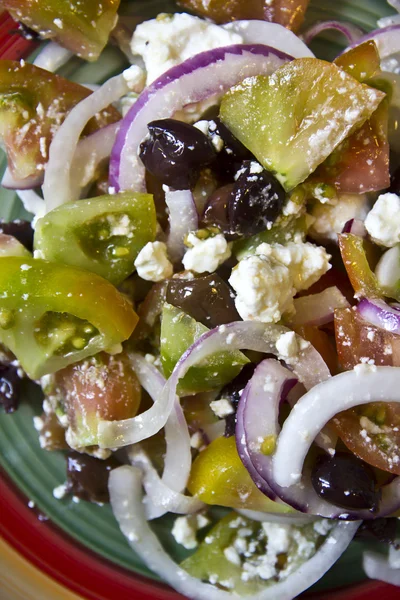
287 345
152 262
383 221
232 555
222 408
394 557
135 77
168 40
185 528
60 491
264 289
209 130
206 255
329 219
196 440
306 262
323 526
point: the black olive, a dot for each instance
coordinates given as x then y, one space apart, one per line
208 299
256 201
215 212
10 388
233 391
383 530
346 481
395 182
26 32
234 149
22 230
87 476
175 152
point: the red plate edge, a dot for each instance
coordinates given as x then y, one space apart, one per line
57 554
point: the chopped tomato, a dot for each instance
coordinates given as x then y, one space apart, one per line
372 432
322 343
358 341
354 255
362 62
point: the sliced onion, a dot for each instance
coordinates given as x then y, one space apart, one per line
214 430
387 40
388 270
52 57
352 32
388 21
160 498
126 503
307 365
10 183
380 313
356 227
32 202
318 309
272 34
378 567
57 187
318 406
285 519
183 218
196 79
395 4
178 459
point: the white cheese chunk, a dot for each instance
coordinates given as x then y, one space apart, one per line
152 262
383 221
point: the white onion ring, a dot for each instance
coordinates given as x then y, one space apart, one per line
250 335
395 4
318 309
271 34
378 567
349 30
196 79
52 57
57 187
353 388
32 202
128 509
178 458
160 498
183 218
28 183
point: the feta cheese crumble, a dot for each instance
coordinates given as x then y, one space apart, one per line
185 529
206 255
222 408
152 262
383 220
329 219
264 289
168 40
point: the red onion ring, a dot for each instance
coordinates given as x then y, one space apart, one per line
350 31
128 509
356 227
387 40
380 313
307 365
378 567
318 309
194 80
272 34
353 388
183 218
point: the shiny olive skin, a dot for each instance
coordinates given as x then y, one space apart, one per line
21 230
256 201
208 299
87 476
233 392
395 182
215 212
346 481
10 388
174 152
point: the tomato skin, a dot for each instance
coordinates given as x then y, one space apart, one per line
82 26
362 62
36 102
102 387
39 298
355 260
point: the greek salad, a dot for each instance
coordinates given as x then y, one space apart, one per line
208 293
